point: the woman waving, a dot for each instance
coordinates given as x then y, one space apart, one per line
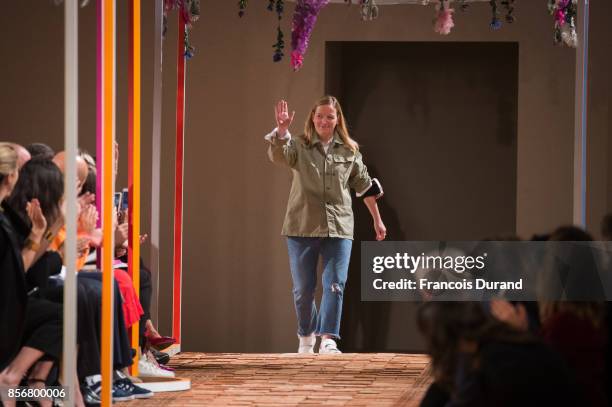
326 164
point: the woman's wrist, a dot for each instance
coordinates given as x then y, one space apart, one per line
36 236
33 241
280 133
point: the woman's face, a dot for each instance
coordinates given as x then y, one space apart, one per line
325 119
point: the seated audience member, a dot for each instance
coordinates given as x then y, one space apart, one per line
577 330
42 178
23 155
36 323
151 342
480 361
13 298
89 362
40 150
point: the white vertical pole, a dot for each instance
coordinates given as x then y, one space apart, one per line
70 194
580 114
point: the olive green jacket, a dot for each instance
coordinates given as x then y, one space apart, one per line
320 201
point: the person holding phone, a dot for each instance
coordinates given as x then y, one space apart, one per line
326 163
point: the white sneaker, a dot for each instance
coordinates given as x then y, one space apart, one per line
146 368
328 346
307 343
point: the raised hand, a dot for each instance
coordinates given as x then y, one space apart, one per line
87 219
514 315
121 234
86 199
283 120
39 223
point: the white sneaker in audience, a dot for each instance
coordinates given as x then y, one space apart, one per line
146 368
307 343
328 346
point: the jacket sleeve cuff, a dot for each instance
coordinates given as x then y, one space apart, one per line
374 189
273 136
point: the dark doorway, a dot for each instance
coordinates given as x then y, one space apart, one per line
437 124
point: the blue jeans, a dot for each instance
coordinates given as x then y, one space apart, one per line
303 258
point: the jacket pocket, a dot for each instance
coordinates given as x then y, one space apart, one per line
342 166
343 159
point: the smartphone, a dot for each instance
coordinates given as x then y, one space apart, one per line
124 200
117 200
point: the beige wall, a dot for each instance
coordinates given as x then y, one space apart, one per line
599 152
236 283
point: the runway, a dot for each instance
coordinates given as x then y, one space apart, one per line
355 379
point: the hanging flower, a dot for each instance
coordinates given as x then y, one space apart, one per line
444 18
242 5
569 36
279 46
564 15
297 60
279 7
304 19
495 21
369 10
560 16
190 11
509 5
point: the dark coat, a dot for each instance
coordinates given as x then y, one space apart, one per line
13 294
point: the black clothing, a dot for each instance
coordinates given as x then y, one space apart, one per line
146 293
24 321
44 327
13 294
509 374
48 264
122 350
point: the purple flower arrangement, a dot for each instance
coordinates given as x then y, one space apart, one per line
304 19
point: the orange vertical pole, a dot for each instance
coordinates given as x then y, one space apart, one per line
134 162
107 178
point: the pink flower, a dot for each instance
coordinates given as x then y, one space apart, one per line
560 16
297 60
444 19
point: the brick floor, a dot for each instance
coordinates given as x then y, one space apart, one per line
357 379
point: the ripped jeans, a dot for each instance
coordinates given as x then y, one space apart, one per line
303 258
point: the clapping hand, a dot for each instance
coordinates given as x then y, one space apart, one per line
39 223
514 315
121 234
283 120
87 220
86 199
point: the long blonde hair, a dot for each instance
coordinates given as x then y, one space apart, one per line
341 127
8 160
